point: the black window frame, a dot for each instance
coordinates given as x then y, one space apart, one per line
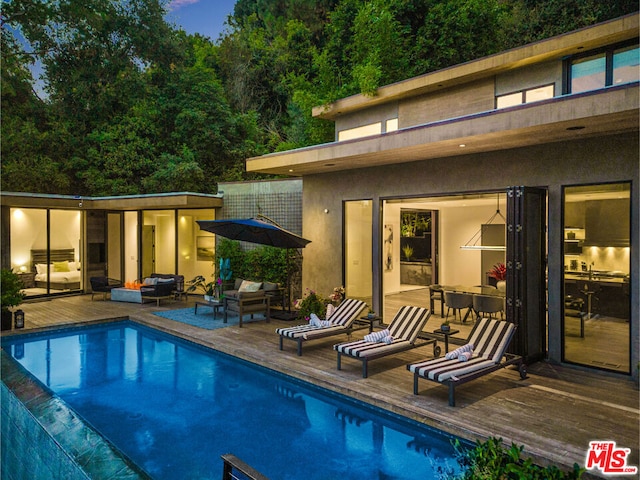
608 53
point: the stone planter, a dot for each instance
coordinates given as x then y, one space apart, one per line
415 273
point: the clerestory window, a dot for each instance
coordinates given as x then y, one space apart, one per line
594 70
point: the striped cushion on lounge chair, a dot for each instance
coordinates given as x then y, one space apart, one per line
404 328
490 339
341 322
341 319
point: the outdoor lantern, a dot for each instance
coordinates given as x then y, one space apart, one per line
19 318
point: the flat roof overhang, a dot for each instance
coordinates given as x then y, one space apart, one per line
608 111
121 203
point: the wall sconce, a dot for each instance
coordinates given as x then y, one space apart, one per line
18 317
326 210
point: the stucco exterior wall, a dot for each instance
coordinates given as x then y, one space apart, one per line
530 77
552 166
451 103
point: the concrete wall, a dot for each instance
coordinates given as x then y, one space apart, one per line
552 166
43 439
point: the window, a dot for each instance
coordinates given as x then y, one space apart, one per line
359 132
597 267
613 66
625 65
525 96
588 73
392 125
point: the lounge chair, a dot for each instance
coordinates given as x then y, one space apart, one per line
404 329
341 320
490 338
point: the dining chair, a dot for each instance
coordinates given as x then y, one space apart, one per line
436 294
458 301
488 305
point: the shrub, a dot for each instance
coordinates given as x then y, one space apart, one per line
312 302
490 461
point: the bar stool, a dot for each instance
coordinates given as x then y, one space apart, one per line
589 289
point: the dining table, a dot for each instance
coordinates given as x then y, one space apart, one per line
470 289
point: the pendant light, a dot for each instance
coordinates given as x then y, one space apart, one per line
473 243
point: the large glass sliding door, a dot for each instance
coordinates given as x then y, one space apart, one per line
46 250
158 242
196 248
597 266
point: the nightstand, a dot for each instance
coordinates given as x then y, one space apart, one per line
28 279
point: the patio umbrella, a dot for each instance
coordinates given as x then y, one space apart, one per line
254 230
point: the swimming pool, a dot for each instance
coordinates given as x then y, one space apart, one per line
174 407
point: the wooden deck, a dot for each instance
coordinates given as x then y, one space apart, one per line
554 413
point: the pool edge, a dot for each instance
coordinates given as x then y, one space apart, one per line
32 416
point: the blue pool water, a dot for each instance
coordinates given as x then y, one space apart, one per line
174 407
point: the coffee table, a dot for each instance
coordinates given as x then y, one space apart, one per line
215 304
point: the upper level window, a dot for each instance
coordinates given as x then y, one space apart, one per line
609 67
525 96
625 65
588 73
359 132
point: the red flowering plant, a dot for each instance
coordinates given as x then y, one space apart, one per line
498 271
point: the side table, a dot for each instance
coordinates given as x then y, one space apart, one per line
446 335
370 321
215 304
28 279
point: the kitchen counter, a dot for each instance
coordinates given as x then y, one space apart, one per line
602 278
610 292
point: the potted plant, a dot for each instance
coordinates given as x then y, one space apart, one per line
499 272
445 327
12 296
199 283
312 302
408 252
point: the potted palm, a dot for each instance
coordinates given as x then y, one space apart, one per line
12 296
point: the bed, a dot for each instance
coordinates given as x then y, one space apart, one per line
63 272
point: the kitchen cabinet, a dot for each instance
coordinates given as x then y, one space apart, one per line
607 223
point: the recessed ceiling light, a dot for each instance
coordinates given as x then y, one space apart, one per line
291 169
462 145
329 164
577 127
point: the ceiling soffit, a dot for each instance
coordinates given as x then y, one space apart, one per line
603 112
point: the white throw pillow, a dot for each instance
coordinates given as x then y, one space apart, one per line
248 286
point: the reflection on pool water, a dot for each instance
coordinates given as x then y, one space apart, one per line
174 407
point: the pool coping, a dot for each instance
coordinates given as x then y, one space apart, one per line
91 452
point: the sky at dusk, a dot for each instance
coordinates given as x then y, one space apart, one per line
205 17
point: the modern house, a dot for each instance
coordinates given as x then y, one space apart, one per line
534 149
56 243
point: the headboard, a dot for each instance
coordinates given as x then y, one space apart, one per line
59 255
